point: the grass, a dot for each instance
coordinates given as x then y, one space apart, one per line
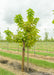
5 72
39 53
41 63
45 54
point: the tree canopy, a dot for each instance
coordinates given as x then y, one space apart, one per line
9 35
28 31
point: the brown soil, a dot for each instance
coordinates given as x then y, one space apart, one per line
40 57
9 68
39 70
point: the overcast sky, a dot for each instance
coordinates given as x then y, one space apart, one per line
43 10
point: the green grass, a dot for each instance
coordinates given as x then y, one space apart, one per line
41 63
45 54
39 53
5 72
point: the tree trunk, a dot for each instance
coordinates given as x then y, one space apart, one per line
27 58
23 54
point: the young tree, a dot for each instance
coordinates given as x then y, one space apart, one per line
9 35
28 33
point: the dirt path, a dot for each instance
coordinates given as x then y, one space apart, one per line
18 72
39 57
9 68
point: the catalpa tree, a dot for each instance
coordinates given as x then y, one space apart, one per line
28 33
9 35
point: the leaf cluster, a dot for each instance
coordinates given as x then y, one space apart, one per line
28 32
9 35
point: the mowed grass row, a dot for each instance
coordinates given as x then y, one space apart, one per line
5 72
39 53
41 63
46 46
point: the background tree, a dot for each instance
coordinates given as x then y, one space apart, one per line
52 40
28 33
46 36
9 36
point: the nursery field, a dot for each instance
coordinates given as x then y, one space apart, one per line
43 46
41 56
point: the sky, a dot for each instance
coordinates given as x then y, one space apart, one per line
43 10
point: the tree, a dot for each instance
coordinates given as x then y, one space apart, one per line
46 36
9 35
28 33
53 21
52 40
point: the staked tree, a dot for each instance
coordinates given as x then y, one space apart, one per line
9 35
28 32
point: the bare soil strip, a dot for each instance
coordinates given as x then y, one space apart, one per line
39 57
18 72
9 68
